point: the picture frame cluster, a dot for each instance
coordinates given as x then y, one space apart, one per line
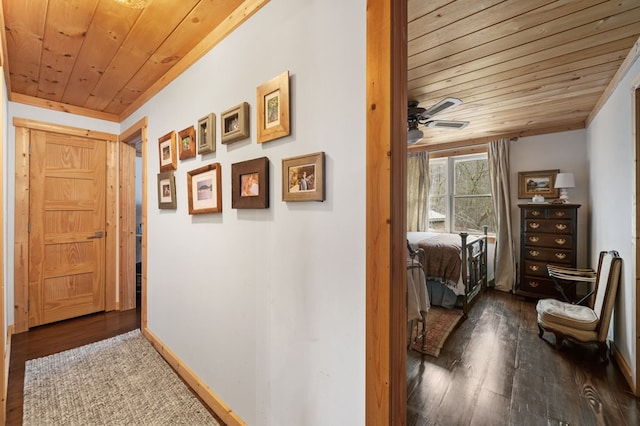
303 176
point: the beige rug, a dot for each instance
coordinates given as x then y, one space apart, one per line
440 324
118 381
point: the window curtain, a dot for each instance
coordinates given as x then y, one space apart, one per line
504 264
417 190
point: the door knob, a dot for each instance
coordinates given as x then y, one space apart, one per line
98 234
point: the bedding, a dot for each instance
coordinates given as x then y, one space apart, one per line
443 259
455 262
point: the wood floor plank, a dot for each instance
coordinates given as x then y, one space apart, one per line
494 369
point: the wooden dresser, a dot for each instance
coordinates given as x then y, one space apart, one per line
548 234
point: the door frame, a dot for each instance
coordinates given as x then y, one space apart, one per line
386 153
137 131
21 246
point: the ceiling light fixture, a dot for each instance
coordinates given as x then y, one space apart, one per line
135 4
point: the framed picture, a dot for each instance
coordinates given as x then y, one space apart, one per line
250 184
187 142
167 152
207 134
539 182
235 123
273 108
303 178
204 186
166 190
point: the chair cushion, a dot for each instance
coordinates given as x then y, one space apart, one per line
552 311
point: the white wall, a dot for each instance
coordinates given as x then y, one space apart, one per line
612 168
267 307
567 152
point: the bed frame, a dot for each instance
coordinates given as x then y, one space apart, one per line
474 268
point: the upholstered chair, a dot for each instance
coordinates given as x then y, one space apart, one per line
585 324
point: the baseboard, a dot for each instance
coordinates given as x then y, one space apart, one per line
623 366
211 399
7 361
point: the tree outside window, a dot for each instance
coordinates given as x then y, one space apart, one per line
460 194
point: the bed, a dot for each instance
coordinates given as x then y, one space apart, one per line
457 263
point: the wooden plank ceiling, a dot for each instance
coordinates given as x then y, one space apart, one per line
100 56
521 67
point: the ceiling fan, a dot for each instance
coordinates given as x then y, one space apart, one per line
417 115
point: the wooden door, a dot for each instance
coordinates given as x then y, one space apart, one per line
66 228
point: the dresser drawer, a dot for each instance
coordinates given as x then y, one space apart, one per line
550 255
546 213
536 269
548 226
546 240
538 285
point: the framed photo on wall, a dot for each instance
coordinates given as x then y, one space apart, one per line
167 190
303 178
250 184
273 108
187 142
207 134
167 152
538 182
234 123
204 187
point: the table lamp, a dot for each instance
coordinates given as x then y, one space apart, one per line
564 181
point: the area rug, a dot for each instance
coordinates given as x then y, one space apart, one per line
118 381
440 324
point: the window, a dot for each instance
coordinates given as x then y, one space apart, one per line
460 194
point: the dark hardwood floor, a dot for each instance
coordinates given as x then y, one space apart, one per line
52 338
495 370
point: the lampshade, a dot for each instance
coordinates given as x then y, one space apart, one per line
564 180
414 135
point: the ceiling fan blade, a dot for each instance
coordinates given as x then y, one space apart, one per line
448 124
443 105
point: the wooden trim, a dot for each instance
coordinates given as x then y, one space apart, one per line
628 62
5 377
623 366
226 414
21 235
139 130
476 149
386 149
111 227
65 130
127 227
59 106
243 12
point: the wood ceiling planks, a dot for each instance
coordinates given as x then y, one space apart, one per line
98 55
516 64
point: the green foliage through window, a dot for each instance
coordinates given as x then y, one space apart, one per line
460 194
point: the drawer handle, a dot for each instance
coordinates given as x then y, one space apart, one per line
560 214
534 284
534 268
534 239
534 225
560 241
534 253
561 226
561 256
536 213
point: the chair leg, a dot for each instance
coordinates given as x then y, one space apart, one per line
603 350
540 331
